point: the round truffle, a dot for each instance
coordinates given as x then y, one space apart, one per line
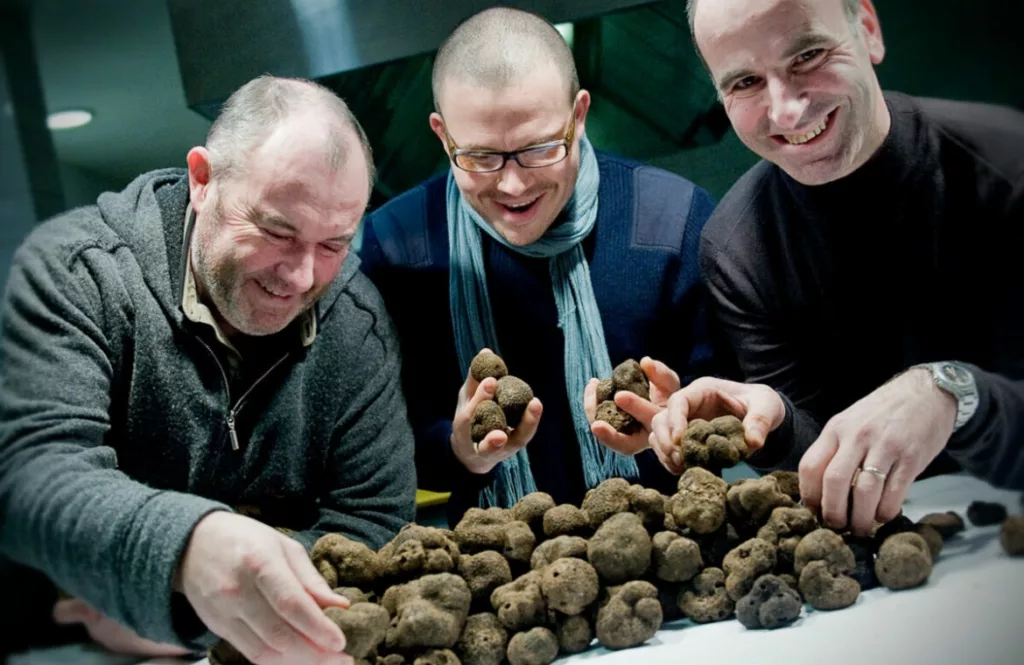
903 561
487 417
700 503
621 549
569 585
984 513
485 365
1011 535
824 588
484 572
948 524
931 536
513 395
566 520
537 646
605 391
770 604
676 559
574 633
344 562
605 500
789 483
557 548
745 564
824 545
706 600
531 509
631 617
483 641
629 376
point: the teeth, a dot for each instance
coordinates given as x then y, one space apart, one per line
519 206
272 291
797 140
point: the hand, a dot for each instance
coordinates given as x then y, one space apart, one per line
109 633
496 446
898 430
664 382
760 408
257 589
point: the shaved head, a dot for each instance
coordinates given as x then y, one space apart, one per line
499 47
851 7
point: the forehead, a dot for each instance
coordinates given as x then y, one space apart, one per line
290 174
532 105
731 30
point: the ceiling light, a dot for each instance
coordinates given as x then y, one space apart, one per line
68 119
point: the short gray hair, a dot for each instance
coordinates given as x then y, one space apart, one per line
256 109
497 46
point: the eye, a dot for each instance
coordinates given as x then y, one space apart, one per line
274 237
809 56
332 250
745 83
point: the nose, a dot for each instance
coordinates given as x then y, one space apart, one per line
298 271
511 180
787 103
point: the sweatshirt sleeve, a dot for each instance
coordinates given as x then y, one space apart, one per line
65 508
762 354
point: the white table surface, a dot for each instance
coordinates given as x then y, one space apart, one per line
971 611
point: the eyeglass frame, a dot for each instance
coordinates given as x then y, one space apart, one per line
570 136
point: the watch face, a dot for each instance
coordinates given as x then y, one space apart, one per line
956 374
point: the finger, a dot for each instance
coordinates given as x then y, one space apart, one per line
671 458
867 491
290 602
522 434
248 643
590 399
662 378
837 483
493 443
617 441
897 484
309 578
641 409
812 467
678 409
659 436
483 391
73 610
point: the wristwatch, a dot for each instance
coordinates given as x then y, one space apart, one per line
959 382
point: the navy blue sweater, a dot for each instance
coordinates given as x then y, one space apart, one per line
643 264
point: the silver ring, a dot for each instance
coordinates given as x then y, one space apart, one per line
874 471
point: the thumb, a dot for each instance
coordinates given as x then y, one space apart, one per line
663 378
72 610
756 425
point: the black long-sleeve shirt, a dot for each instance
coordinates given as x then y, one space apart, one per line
827 292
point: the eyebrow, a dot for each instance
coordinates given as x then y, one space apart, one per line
278 222
804 42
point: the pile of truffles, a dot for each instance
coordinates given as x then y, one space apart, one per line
511 397
528 584
626 376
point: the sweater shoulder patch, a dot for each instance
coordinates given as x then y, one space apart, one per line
661 207
401 228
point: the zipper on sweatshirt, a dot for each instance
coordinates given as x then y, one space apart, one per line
234 409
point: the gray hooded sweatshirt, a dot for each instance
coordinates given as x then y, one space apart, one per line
114 410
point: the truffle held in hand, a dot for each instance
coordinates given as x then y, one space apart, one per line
513 395
487 417
627 376
486 365
363 624
713 445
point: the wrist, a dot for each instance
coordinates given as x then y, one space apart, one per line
956 383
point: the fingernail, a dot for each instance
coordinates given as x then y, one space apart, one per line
677 458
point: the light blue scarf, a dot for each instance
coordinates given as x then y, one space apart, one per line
586 353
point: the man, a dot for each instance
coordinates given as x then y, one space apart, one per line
194 344
563 261
865 270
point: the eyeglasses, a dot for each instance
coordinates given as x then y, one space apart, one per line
532 157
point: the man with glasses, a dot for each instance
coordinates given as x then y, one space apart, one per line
562 260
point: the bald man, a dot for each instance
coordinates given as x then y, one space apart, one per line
866 271
563 260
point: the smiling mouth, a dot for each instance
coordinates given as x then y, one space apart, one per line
803 139
273 294
521 207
